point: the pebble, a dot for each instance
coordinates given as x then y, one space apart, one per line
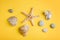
10 10
12 20
45 30
41 23
52 25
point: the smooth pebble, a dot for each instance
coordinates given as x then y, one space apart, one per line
45 30
41 23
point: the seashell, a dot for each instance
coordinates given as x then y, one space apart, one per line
12 20
45 30
47 14
10 10
24 30
52 25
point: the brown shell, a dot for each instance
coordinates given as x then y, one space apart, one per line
24 30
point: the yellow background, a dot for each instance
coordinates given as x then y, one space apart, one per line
8 32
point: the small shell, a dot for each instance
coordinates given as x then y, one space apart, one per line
52 25
48 16
12 20
10 11
45 30
23 30
41 23
46 12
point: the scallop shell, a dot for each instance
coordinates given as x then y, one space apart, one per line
12 20
24 30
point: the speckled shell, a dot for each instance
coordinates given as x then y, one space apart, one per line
12 20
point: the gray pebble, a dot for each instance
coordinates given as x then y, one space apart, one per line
10 11
41 23
52 25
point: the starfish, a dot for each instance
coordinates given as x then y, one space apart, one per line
30 16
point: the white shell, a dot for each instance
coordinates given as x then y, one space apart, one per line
47 14
41 23
12 20
52 25
45 30
24 30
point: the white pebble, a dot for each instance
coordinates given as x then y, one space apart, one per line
52 25
41 23
45 30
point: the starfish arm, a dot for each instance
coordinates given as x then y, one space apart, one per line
31 11
32 22
35 16
26 20
24 13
